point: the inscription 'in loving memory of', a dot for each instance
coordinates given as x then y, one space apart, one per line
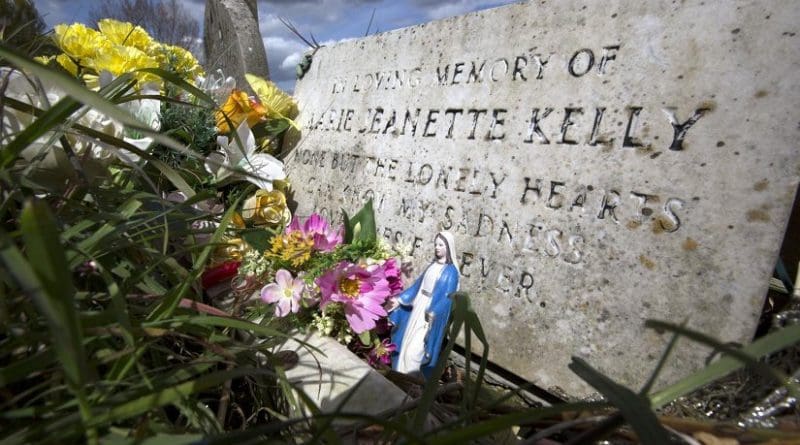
543 123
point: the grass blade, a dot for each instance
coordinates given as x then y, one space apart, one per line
634 408
788 336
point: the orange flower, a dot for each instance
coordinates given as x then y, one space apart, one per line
237 108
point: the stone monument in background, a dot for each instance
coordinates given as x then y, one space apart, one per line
233 41
599 164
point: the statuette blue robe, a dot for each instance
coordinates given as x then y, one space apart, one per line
428 334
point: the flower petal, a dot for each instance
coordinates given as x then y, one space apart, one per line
270 293
284 279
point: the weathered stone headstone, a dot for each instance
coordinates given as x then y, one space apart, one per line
600 164
233 41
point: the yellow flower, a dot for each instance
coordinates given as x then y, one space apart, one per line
123 33
294 247
68 64
120 59
266 208
177 59
80 42
237 108
277 103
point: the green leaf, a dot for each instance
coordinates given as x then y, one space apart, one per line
22 369
56 299
51 118
276 126
365 338
257 238
222 322
634 408
361 228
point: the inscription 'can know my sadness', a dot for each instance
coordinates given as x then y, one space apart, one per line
598 167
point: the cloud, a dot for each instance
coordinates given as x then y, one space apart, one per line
440 10
283 54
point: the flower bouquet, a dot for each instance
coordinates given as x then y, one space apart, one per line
336 280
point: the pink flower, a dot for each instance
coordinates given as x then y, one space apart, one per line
361 290
285 291
317 228
393 275
382 353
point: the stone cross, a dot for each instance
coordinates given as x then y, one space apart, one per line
233 41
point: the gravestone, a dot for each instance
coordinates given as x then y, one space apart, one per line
232 40
599 164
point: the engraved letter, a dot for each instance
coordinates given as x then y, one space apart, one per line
568 122
595 137
555 200
675 222
442 75
610 202
589 62
497 123
633 118
432 115
536 188
679 130
533 128
519 65
609 54
475 115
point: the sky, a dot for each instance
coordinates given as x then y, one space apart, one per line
329 21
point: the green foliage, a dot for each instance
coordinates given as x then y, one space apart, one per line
100 336
361 228
22 27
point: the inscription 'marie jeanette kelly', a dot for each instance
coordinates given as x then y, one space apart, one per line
597 167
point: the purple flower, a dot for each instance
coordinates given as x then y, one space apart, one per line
362 290
393 275
285 291
382 352
317 229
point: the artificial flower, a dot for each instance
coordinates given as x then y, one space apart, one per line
294 247
127 34
382 352
299 241
147 111
277 103
266 208
393 275
121 59
216 84
176 59
238 108
68 64
79 41
220 273
285 292
362 291
317 229
261 168
21 88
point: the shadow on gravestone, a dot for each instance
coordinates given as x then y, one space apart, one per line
232 40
